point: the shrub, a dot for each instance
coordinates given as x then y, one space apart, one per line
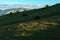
24 14
37 17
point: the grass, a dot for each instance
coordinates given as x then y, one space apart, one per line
44 22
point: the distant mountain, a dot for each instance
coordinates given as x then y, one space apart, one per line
4 12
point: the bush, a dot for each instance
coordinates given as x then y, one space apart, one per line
24 14
37 17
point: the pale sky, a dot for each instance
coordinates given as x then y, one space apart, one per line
29 1
26 3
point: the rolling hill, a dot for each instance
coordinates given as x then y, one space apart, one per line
43 23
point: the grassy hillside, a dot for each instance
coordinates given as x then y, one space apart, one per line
37 24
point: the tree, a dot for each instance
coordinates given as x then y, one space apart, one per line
17 11
10 13
47 6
